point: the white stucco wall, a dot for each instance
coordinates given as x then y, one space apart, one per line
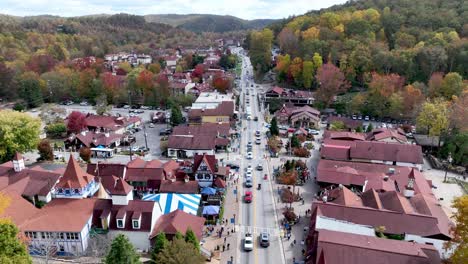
437 243
343 226
139 239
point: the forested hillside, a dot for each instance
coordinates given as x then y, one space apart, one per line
400 59
209 23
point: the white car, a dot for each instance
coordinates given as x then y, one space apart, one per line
248 174
248 242
366 118
249 155
313 132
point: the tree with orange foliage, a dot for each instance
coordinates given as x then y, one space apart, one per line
381 89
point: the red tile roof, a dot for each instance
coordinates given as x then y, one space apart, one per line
225 108
341 135
74 176
212 129
338 247
210 161
19 210
357 173
62 215
190 187
178 221
372 150
192 142
220 183
384 133
115 185
106 169
134 207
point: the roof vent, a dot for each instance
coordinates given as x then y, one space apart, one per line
385 178
391 170
325 198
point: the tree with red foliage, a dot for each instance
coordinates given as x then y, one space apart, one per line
221 83
198 71
331 82
40 63
76 122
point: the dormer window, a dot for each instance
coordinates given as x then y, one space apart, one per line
136 224
77 191
120 223
60 190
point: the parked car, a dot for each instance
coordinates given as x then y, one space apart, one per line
257 133
249 155
151 125
69 102
313 132
256 118
366 118
126 106
233 166
165 132
258 141
354 117
248 197
264 239
259 167
248 242
84 103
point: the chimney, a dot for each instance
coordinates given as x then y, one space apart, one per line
186 178
325 198
107 134
409 188
391 171
18 162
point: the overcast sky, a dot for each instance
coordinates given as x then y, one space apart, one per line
246 9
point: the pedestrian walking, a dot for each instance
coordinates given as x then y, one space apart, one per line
225 240
224 247
228 246
294 242
294 260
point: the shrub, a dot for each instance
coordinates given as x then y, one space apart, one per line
56 130
45 150
301 152
85 154
290 215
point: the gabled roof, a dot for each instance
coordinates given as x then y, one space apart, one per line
74 176
384 133
225 108
178 221
115 185
211 129
342 135
344 196
19 210
210 161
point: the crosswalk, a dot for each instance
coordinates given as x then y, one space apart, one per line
255 230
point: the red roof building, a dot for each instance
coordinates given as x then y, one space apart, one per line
332 247
178 221
75 182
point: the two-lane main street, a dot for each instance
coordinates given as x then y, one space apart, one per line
260 215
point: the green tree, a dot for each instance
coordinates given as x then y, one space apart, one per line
460 231
452 85
179 235
359 129
295 143
176 115
101 106
337 126
56 130
274 130
180 252
190 237
121 251
433 117
457 146
370 127
308 73
160 243
19 132
45 150
30 89
12 250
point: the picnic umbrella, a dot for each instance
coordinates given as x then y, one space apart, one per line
211 210
208 191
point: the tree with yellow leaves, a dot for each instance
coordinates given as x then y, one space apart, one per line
433 117
12 249
460 231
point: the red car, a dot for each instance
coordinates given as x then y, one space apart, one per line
248 197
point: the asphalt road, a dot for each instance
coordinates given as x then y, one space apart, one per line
260 215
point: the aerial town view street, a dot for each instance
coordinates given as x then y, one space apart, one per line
190 133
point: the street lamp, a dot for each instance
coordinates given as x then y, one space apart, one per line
447 163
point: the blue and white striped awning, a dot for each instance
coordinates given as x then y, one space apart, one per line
170 202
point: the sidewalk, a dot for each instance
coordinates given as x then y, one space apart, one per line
231 208
307 191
